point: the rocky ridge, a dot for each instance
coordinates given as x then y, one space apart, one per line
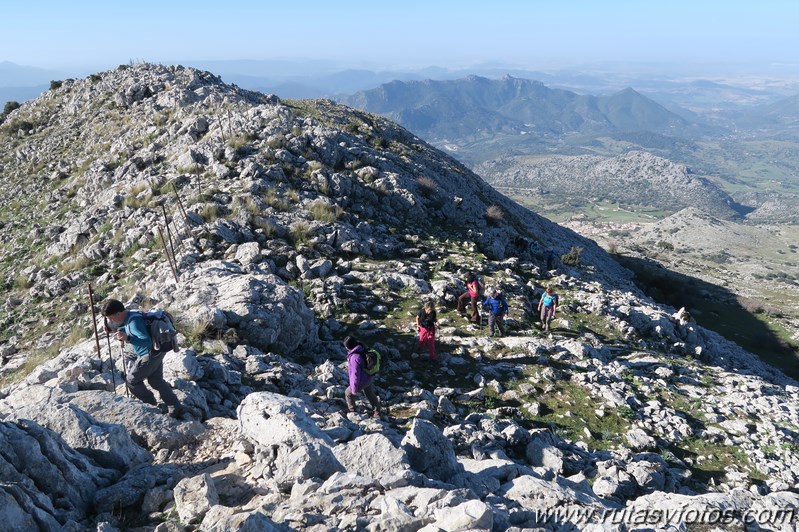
636 178
304 222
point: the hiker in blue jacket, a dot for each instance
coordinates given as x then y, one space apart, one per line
147 364
497 310
360 380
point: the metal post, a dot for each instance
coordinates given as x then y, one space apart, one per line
169 234
166 252
180 204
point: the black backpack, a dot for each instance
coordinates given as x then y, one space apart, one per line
372 358
162 330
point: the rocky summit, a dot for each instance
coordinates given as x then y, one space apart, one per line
273 229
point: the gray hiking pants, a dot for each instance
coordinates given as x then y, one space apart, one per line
369 391
151 370
499 321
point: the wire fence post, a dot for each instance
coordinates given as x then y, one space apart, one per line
166 252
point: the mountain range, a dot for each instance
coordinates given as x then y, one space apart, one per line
477 107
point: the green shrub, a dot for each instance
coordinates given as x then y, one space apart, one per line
300 233
10 106
55 84
273 198
323 211
572 258
15 126
210 212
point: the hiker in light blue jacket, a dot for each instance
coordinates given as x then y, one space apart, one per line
147 364
548 305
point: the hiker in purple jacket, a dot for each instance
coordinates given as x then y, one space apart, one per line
360 380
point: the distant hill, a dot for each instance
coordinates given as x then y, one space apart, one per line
778 118
14 75
475 106
21 83
20 94
636 179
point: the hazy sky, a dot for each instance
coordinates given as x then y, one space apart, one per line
63 34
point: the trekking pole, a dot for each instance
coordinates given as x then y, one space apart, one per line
97 337
110 356
124 373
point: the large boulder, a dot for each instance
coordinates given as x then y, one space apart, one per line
430 452
271 420
147 425
308 461
44 482
265 311
108 444
372 456
194 496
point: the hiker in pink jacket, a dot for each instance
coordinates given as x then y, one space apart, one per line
472 293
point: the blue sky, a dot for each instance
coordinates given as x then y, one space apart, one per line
95 35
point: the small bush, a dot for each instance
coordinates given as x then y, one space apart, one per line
138 196
274 199
210 212
300 233
323 211
259 222
494 215
22 282
16 126
427 187
55 84
248 205
572 258
10 106
625 412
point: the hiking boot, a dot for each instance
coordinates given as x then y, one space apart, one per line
176 412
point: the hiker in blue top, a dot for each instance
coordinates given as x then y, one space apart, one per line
497 310
148 363
548 305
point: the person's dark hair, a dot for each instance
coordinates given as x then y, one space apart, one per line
350 342
111 306
470 277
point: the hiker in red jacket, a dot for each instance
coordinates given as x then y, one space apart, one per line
426 322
